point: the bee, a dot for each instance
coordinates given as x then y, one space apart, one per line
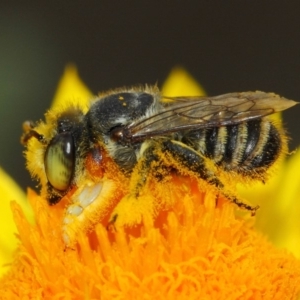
96 157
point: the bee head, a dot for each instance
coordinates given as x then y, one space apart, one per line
51 150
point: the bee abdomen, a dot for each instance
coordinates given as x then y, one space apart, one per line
244 147
263 145
252 145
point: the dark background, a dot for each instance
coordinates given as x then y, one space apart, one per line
228 46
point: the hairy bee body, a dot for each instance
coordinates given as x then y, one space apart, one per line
134 128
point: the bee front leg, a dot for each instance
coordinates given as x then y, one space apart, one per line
137 205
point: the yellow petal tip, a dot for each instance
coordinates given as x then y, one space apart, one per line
181 83
71 88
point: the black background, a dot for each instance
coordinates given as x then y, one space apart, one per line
228 46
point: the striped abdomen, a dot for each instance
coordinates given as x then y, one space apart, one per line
245 147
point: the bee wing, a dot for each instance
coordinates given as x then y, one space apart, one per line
190 113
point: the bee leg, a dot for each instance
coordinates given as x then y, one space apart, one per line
243 205
192 160
111 224
148 163
217 200
233 198
29 133
134 207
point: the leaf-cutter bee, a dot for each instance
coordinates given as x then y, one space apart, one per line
87 156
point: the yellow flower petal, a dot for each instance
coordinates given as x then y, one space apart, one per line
9 191
287 207
279 215
71 88
181 83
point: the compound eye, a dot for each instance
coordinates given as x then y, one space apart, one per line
60 161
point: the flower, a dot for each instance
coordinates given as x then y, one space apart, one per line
196 247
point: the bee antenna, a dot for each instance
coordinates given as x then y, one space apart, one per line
29 133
